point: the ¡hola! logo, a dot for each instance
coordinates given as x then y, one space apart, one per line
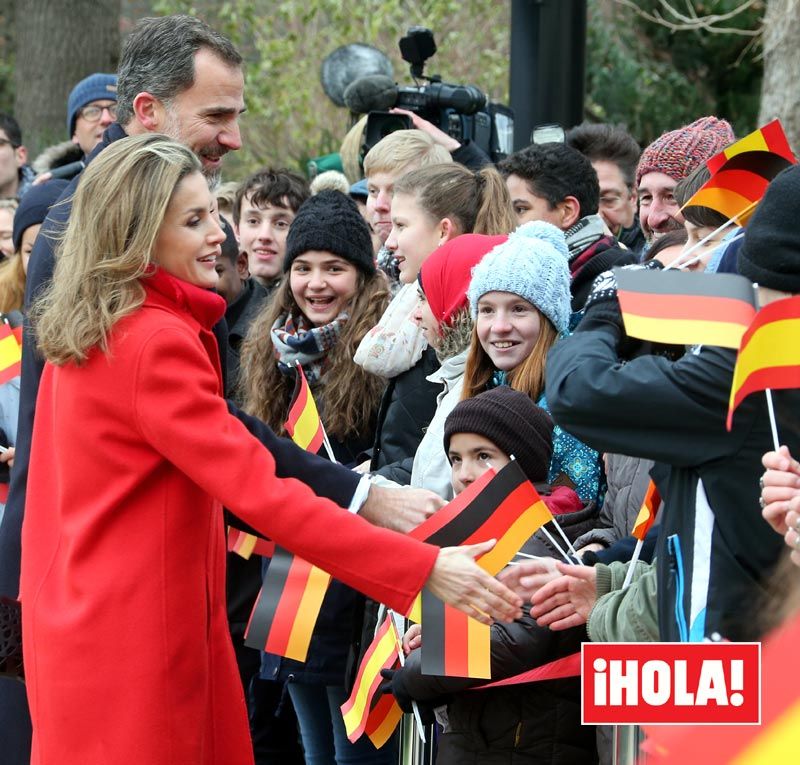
671 683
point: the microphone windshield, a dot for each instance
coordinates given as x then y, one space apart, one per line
374 93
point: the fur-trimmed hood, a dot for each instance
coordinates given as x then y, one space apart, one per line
58 155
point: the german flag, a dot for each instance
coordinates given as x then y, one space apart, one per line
769 355
10 353
774 741
682 308
647 512
303 423
510 510
245 544
356 711
287 607
768 139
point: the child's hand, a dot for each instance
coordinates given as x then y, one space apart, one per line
412 639
8 456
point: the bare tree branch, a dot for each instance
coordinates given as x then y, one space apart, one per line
690 21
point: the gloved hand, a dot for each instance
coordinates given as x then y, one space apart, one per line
392 684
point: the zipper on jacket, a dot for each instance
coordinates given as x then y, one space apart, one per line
676 568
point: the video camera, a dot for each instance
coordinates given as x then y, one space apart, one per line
461 111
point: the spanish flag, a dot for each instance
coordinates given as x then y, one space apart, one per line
287 607
768 139
510 510
682 308
769 355
356 711
647 512
10 353
245 544
774 741
303 423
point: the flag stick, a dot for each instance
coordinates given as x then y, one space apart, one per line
773 425
634 560
402 659
696 258
555 544
326 442
564 537
731 221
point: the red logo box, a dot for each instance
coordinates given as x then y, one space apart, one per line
671 683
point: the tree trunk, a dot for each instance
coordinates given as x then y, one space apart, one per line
780 96
57 44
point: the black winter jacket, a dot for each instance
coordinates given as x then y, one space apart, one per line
715 552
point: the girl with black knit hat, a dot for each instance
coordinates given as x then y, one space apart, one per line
331 296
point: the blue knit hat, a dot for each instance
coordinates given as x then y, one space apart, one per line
95 87
532 263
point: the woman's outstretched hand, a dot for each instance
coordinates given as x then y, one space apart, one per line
459 581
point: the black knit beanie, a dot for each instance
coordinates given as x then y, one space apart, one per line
34 206
330 221
770 254
512 422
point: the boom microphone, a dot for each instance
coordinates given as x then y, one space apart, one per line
374 93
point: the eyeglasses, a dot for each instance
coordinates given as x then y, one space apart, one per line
92 112
6 142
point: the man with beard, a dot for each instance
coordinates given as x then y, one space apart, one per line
179 77
669 159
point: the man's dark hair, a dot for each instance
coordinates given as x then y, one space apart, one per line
555 171
11 128
278 188
609 143
230 247
158 57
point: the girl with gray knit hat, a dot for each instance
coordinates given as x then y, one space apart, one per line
520 301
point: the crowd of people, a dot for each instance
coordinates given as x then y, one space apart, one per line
449 315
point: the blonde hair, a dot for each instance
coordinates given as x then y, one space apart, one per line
478 203
349 398
12 284
117 212
350 150
225 194
527 377
403 150
9 203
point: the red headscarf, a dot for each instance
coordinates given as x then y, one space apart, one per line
446 274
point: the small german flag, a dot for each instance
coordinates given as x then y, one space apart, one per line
381 654
245 544
769 139
769 355
680 308
303 423
647 512
10 353
287 607
510 510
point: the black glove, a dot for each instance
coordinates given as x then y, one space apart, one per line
392 685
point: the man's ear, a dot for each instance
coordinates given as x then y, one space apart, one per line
570 211
242 269
149 111
21 153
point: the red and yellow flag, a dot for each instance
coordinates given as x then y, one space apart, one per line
10 353
773 741
647 512
683 308
769 354
245 544
303 423
769 138
287 607
356 711
510 510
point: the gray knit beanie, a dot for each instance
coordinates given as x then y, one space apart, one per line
532 263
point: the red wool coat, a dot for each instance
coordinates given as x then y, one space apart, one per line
127 650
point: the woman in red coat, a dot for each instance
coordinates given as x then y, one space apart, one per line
127 652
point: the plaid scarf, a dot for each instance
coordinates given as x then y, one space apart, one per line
297 342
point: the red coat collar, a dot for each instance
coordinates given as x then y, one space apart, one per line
205 306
